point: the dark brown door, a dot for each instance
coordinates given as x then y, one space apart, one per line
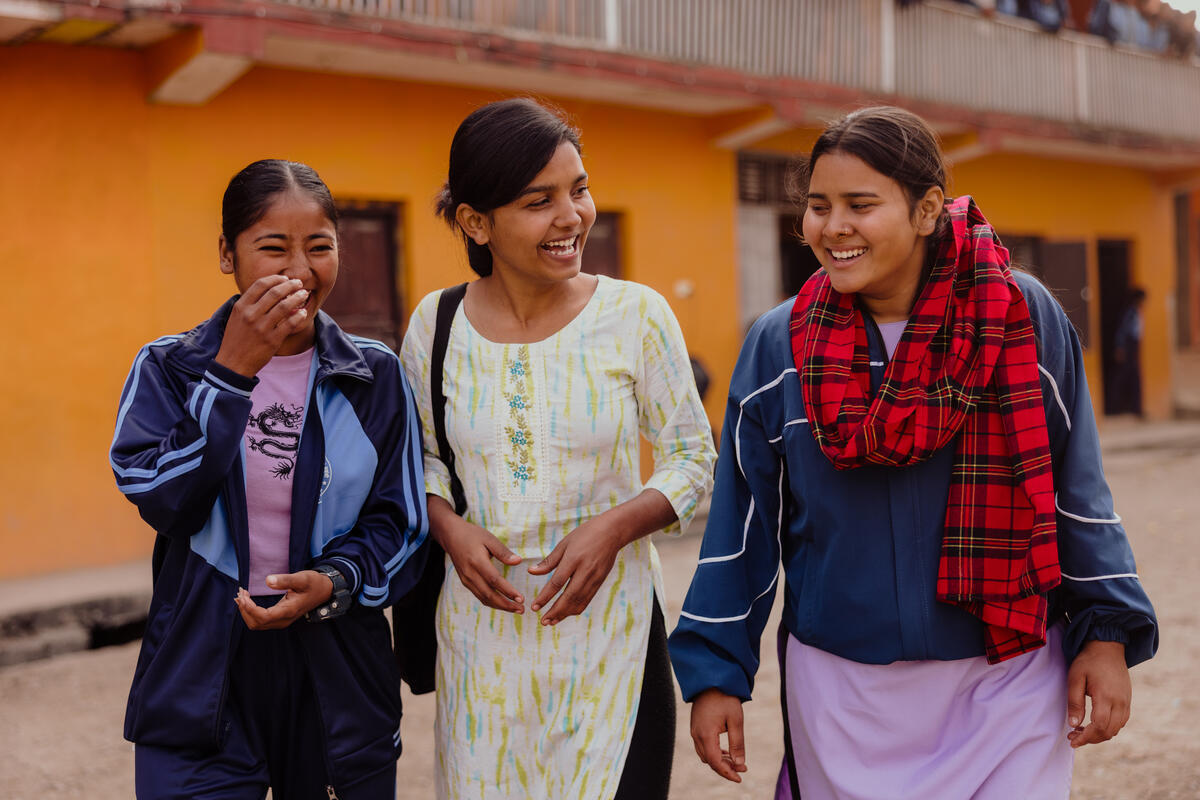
1113 259
366 298
1025 252
1183 271
1063 268
797 262
602 251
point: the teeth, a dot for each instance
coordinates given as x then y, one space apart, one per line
562 242
843 254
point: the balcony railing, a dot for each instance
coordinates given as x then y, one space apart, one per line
932 51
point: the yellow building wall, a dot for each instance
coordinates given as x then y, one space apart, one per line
78 299
112 212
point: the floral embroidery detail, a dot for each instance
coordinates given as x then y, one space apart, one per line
519 459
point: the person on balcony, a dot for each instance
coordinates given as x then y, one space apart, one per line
1183 33
1153 31
1050 14
549 379
912 438
1118 21
278 460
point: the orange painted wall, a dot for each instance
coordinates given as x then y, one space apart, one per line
78 299
111 215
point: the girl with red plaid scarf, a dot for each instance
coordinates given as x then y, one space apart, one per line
912 438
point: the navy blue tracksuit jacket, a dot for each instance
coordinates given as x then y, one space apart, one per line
358 504
859 549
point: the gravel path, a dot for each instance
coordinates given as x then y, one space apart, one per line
60 719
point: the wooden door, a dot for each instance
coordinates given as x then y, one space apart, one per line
366 299
1113 259
1063 267
797 262
602 250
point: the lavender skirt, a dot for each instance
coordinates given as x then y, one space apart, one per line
926 729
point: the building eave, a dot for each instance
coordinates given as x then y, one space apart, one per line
200 48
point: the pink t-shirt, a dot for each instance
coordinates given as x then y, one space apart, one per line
891 333
272 442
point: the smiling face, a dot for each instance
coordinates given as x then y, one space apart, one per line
294 238
867 235
539 236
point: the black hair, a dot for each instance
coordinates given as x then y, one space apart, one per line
497 150
251 191
890 140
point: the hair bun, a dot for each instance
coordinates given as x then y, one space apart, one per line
444 203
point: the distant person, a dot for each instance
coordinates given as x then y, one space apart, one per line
911 439
1050 14
1153 31
1183 33
279 461
1126 379
1118 21
551 378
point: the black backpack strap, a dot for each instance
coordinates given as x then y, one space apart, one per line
413 629
447 307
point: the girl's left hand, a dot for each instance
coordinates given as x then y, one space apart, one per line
1098 672
306 590
580 562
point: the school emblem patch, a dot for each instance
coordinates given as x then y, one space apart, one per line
326 478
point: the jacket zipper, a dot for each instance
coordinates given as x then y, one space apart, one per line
329 790
224 688
229 654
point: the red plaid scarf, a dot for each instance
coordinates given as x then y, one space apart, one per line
965 370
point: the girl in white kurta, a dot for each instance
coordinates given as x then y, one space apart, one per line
551 378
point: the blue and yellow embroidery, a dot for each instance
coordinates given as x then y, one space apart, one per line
518 394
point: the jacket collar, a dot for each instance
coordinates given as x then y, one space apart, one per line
337 354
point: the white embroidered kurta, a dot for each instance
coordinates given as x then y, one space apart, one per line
546 436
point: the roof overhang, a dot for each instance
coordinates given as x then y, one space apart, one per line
197 49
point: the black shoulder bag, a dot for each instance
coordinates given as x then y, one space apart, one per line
413 617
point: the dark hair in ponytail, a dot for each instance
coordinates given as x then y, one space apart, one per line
251 191
496 152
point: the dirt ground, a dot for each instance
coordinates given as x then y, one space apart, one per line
60 719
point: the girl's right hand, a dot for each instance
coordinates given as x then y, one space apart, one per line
472 549
269 311
714 713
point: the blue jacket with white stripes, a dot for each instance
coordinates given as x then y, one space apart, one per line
860 548
358 505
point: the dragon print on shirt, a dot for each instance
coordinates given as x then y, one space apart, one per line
281 433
